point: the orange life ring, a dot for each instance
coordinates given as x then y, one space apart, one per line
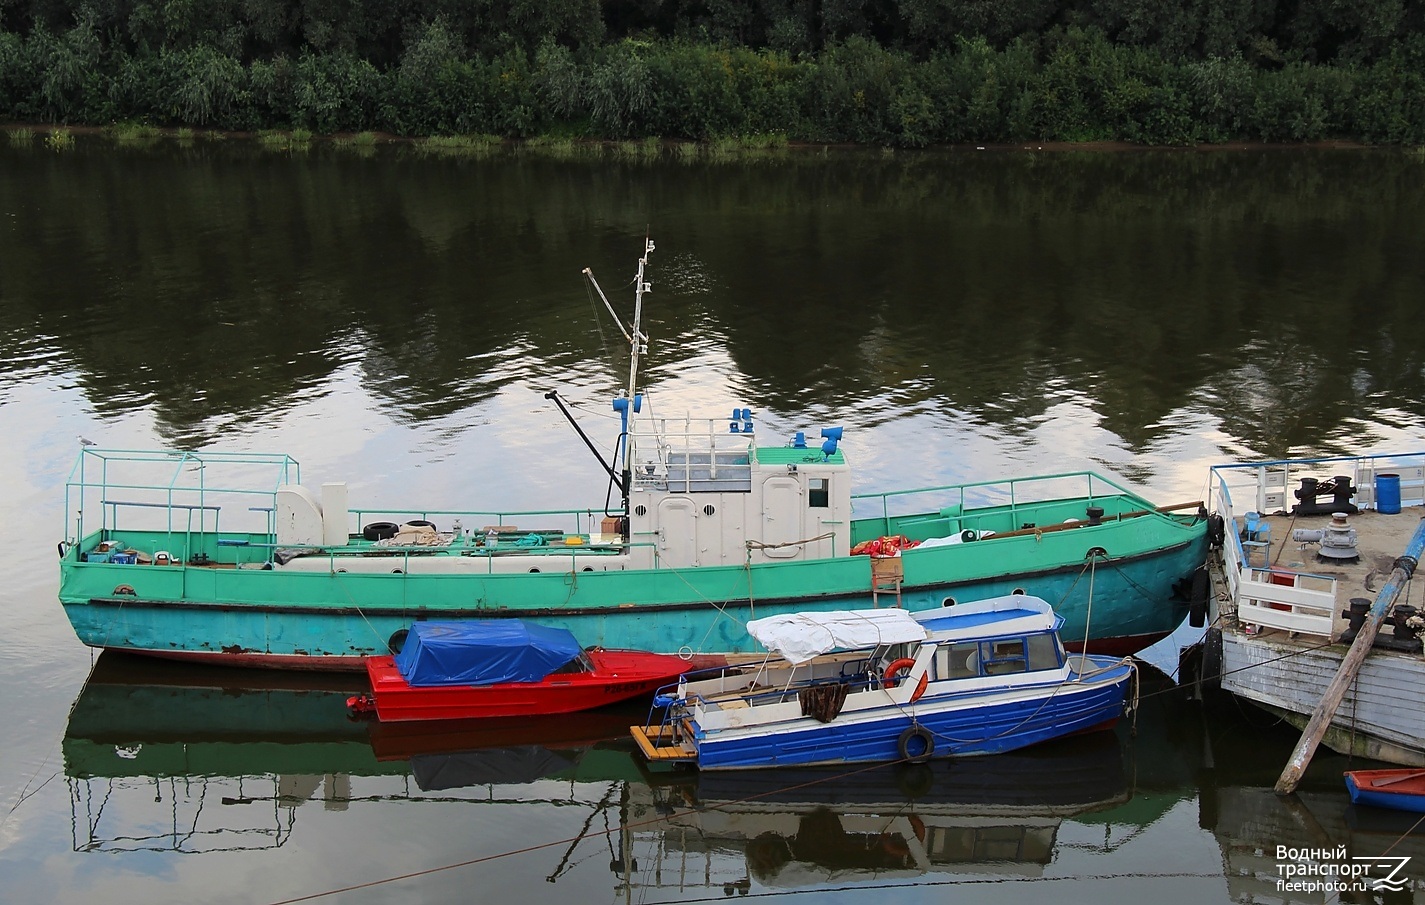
905 663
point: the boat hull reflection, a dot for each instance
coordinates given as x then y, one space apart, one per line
820 825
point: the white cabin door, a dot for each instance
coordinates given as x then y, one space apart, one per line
782 517
677 534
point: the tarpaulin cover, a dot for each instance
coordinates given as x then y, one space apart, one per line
483 653
801 636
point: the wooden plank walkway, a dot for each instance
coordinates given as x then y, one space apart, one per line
650 740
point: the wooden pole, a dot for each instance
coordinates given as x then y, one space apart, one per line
1065 526
1350 665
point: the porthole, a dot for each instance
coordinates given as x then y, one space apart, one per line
587 569
948 601
709 509
397 571
341 570
1018 592
534 570
640 510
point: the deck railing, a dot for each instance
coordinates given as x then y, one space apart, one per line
233 496
665 451
185 492
954 500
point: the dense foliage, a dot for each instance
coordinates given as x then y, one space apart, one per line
893 72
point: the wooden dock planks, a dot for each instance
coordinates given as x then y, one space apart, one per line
659 745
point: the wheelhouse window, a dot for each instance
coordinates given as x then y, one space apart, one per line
1045 652
1003 656
819 493
957 661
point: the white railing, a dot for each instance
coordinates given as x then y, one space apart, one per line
1271 486
1287 600
658 446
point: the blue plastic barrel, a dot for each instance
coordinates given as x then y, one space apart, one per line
1388 493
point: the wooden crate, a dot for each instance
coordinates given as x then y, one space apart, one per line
887 568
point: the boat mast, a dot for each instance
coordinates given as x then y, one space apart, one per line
638 342
629 402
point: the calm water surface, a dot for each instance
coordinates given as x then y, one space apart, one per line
393 321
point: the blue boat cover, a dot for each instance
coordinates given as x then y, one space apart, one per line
483 653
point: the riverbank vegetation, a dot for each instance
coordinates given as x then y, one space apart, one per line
896 73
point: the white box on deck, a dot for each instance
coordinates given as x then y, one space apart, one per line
334 514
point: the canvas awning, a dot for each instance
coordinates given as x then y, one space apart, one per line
801 636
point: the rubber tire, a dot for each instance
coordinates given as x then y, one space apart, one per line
914 780
421 523
397 641
1216 531
380 530
1197 599
908 737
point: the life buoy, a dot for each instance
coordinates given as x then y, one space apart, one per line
893 676
916 737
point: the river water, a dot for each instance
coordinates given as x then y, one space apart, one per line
393 319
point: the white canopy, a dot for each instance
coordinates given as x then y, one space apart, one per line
801 636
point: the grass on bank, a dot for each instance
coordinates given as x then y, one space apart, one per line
457 145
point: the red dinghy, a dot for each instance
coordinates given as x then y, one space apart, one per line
504 668
1402 789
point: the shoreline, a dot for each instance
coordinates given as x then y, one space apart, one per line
125 133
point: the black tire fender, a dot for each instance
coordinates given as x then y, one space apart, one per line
916 737
380 530
397 641
1197 599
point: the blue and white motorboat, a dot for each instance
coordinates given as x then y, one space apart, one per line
856 686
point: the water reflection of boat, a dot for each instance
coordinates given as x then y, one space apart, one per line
162 756
450 754
816 825
1252 824
151 746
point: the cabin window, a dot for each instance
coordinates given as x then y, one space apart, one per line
896 652
1044 652
580 664
819 493
1003 657
957 661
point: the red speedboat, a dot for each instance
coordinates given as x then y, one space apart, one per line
504 668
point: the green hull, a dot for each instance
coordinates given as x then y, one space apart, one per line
326 619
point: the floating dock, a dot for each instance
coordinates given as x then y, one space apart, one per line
1302 540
